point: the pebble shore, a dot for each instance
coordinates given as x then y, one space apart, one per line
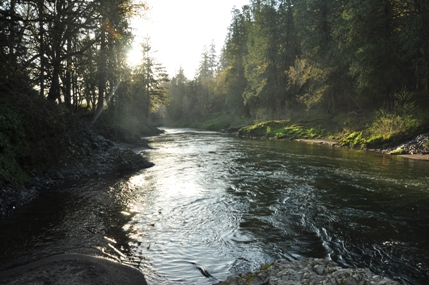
307 271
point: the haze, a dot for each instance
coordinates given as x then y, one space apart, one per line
179 30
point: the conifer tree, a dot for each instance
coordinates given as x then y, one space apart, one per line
232 77
261 62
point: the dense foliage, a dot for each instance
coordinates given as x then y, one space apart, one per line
62 58
75 53
286 59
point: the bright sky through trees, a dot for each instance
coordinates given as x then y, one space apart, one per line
179 30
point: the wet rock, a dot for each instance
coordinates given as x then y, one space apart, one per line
319 269
308 271
59 175
11 198
73 269
419 145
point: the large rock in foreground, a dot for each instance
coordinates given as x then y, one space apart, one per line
73 269
307 271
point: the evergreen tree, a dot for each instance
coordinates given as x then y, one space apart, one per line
205 68
316 22
369 40
178 105
149 84
414 34
232 79
261 63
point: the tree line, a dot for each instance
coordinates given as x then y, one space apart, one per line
288 57
74 53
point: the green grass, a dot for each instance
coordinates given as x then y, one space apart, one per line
369 130
281 129
397 151
385 128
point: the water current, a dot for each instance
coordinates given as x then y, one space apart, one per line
215 205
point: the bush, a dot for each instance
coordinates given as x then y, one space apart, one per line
13 147
393 123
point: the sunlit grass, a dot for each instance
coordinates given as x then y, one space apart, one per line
281 129
377 129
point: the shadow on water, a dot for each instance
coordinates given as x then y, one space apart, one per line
77 217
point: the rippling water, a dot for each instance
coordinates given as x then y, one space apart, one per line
215 205
220 205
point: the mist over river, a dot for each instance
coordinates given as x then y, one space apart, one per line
219 204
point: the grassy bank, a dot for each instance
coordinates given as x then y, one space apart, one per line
281 129
379 129
382 128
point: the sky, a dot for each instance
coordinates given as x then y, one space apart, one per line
179 30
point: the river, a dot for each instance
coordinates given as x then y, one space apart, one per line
217 204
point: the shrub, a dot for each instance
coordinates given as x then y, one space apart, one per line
13 147
353 139
392 123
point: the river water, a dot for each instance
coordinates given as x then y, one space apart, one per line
215 205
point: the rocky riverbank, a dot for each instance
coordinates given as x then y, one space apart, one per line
417 148
43 144
307 271
90 155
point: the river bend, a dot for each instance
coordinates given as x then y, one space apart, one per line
215 205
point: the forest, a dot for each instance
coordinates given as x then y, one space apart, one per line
64 68
74 53
345 65
351 64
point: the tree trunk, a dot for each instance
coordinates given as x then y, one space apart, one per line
54 91
67 95
41 49
102 73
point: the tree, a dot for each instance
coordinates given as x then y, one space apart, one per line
231 77
369 41
319 29
178 107
12 47
149 84
204 69
261 63
413 21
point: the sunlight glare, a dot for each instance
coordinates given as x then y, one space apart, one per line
137 180
134 57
